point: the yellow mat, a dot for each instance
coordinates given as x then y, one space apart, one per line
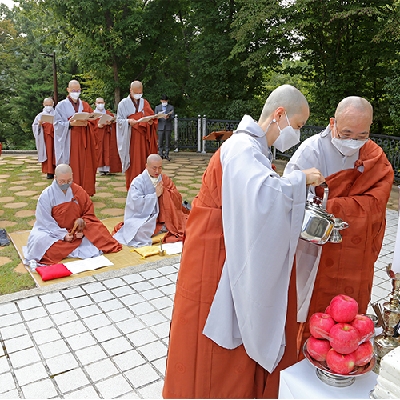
124 258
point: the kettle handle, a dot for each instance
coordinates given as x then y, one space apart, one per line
326 193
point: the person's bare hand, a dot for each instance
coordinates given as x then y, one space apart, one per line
313 177
68 237
80 224
40 122
79 235
159 189
132 121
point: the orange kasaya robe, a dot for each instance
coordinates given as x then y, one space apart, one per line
83 159
107 149
171 212
143 143
48 166
65 214
196 366
360 199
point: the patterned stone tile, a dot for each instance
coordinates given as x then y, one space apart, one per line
16 205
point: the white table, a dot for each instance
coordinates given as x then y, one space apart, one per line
301 382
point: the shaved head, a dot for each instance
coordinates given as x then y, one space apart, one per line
136 85
354 105
63 169
154 165
48 101
100 99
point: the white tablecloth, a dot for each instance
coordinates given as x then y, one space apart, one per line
301 382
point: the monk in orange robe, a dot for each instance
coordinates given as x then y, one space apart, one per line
108 160
66 225
136 140
235 303
359 178
75 143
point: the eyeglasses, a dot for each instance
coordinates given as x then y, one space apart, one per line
63 181
348 134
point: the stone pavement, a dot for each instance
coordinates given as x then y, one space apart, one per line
105 336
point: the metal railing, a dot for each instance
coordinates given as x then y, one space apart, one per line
189 133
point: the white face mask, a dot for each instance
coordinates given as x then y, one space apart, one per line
137 96
348 147
48 108
164 103
75 95
100 106
288 137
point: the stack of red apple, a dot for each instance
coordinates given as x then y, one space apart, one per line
340 336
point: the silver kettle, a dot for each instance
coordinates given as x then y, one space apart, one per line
318 225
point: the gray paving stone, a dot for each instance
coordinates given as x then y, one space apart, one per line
130 325
160 364
85 393
153 318
73 292
34 313
128 360
116 346
4 366
106 333
129 395
12 394
152 391
162 302
81 340
10 319
120 315
167 312
141 308
152 294
40 390
47 335
113 283
141 286
142 375
13 331
160 281
102 296
7 382
72 328
31 373
52 349
144 336
101 370
113 387
24 357
133 278
30 302
61 363
81 301
110 305
90 354
71 380
168 289
65 317
161 330
51 298
132 299
40 324
88 311
123 291
97 321
169 269
59 307
19 343
8 308
153 351
93 287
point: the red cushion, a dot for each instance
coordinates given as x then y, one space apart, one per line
53 271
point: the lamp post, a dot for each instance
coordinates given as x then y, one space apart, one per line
55 84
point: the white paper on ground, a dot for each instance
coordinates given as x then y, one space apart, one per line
172 248
89 264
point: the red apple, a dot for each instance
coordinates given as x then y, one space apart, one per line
320 325
365 327
318 348
363 354
328 310
343 308
344 338
340 363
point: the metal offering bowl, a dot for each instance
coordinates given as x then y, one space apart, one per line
333 379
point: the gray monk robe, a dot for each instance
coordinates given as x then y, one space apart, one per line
145 213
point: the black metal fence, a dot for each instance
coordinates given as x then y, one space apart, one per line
189 134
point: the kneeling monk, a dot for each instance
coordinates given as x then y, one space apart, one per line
153 202
66 225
